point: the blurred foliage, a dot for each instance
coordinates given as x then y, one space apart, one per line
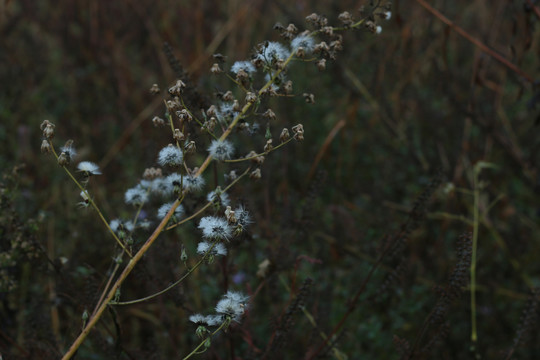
414 99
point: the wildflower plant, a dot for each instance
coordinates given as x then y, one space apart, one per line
211 133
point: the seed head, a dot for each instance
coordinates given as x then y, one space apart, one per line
215 228
170 156
89 168
221 149
136 196
165 208
246 66
218 250
233 304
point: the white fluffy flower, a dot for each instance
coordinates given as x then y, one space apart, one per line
303 41
218 250
243 218
215 228
221 149
136 196
247 66
193 183
233 304
165 208
218 196
89 167
170 155
272 51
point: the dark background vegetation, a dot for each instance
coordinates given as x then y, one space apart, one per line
418 104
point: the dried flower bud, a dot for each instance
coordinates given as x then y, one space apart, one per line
231 176
242 76
298 131
287 87
251 97
212 111
236 106
336 45
173 105
264 268
269 91
291 29
190 147
371 26
313 18
268 147
215 69
184 115
321 47
284 135
48 129
183 254
220 58
255 174
321 64
152 173
178 135
228 96
177 88
328 30
230 215
255 158
300 52
310 98
157 121
210 125
346 18
45 147
258 62
278 26
154 90
269 114
63 159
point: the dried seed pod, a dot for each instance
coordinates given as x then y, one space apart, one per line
154 90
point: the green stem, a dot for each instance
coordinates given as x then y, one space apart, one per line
224 324
261 154
92 203
476 189
205 256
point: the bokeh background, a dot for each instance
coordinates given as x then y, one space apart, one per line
420 103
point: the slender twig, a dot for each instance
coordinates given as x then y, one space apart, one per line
476 42
100 214
205 256
195 351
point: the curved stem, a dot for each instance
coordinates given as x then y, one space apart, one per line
100 214
205 256
224 324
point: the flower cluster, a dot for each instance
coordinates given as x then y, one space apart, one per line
232 307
